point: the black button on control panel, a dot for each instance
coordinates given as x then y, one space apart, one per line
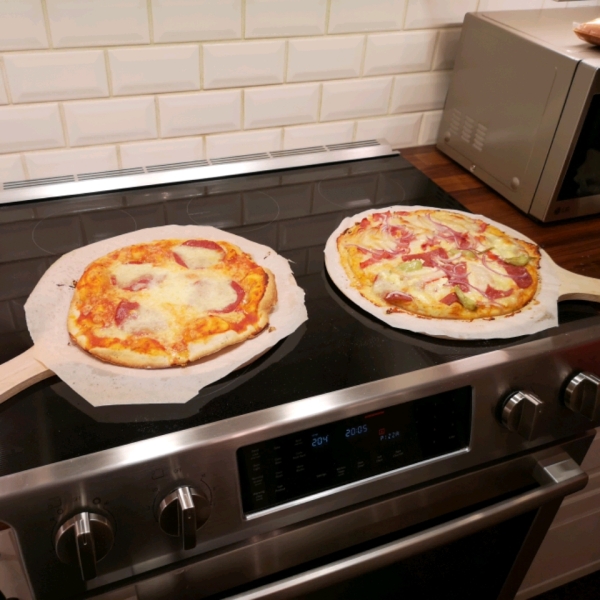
300 464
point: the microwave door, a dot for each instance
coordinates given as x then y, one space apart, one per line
570 182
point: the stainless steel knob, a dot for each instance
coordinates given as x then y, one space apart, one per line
521 413
582 395
182 513
84 539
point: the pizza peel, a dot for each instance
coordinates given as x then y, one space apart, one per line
104 384
556 284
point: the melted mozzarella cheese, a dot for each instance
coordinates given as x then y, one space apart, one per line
213 294
127 274
196 257
147 320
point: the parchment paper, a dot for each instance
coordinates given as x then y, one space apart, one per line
539 314
102 384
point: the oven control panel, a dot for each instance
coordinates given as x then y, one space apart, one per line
286 468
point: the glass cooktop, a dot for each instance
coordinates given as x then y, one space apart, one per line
292 211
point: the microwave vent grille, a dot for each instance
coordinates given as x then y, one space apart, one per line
468 130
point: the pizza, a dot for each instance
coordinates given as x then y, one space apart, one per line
438 264
169 302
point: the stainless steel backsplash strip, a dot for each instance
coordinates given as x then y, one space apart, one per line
139 177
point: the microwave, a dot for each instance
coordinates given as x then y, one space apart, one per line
523 110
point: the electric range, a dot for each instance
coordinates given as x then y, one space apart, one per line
301 470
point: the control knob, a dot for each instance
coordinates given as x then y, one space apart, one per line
84 539
521 412
182 512
582 395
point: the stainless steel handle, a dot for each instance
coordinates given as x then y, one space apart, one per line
558 479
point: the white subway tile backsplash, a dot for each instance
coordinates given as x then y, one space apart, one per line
204 112
430 125
485 5
356 98
399 52
98 22
422 14
420 91
157 69
116 120
348 16
400 132
280 18
245 142
304 136
324 58
282 105
243 64
11 168
30 128
71 162
39 76
196 20
161 152
446 49
22 25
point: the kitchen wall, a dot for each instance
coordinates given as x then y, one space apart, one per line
93 85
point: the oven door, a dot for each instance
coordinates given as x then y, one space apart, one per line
471 536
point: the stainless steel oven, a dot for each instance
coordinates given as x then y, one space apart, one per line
352 459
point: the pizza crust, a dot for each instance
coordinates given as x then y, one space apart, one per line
538 314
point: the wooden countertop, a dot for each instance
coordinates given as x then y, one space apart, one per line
573 244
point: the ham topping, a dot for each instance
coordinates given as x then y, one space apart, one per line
126 310
450 299
397 297
519 275
494 294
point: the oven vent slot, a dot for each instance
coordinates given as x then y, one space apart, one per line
115 173
297 151
190 164
237 159
349 145
11 185
195 170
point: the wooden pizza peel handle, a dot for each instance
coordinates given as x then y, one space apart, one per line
577 287
19 373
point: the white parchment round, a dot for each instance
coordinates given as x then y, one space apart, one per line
539 314
103 384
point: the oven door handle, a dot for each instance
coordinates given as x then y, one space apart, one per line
558 477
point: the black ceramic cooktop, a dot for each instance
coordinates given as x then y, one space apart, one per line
291 211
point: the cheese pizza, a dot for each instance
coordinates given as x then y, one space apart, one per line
169 302
438 264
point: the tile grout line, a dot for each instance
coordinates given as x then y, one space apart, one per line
47 23
63 120
363 58
243 18
4 78
327 17
108 71
158 123
24 165
150 22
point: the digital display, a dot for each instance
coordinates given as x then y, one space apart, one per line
300 464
